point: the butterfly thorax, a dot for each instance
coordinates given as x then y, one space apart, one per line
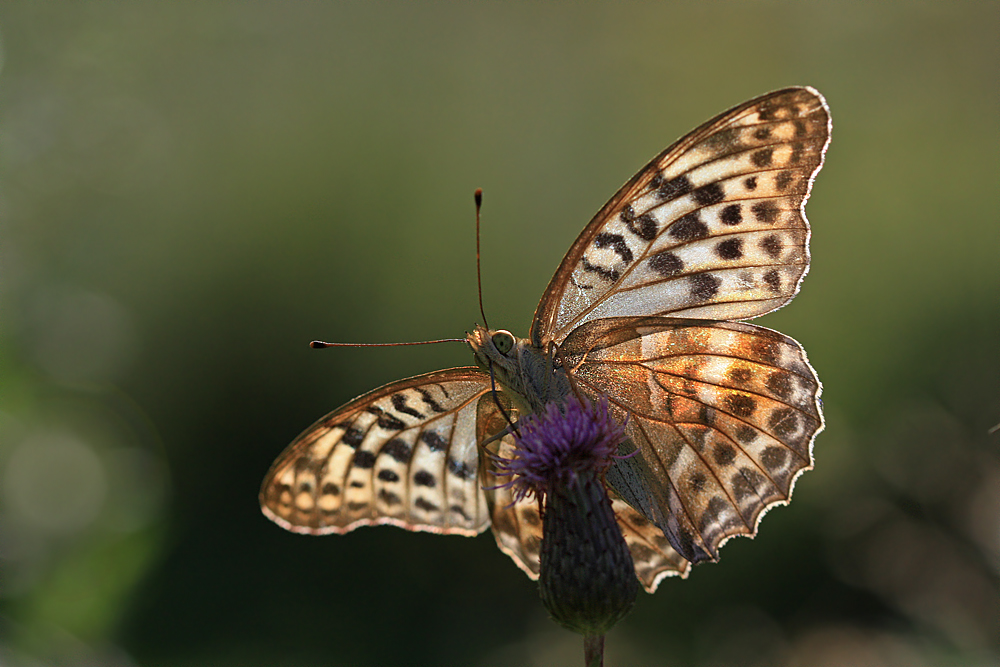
531 376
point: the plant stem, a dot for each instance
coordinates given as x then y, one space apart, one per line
593 650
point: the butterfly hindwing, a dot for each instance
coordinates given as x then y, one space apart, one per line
723 414
517 524
404 454
652 554
714 227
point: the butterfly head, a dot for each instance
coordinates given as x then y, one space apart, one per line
497 348
529 375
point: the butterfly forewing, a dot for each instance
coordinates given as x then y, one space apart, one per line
714 227
723 413
404 454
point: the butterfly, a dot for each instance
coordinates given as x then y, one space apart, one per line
644 310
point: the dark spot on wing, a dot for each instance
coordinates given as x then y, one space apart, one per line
741 405
771 245
763 157
424 478
689 228
461 470
385 420
434 441
429 400
774 458
724 454
617 243
645 227
666 263
706 415
399 404
731 215
740 375
364 460
352 437
709 194
746 434
389 498
780 384
388 475
674 188
697 481
704 286
725 141
767 352
773 280
426 505
783 422
742 488
398 450
730 249
755 478
768 110
765 211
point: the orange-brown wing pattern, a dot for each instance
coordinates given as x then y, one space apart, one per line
404 454
714 227
723 414
653 556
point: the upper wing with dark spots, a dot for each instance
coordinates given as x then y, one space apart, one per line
404 454
723 413
714 227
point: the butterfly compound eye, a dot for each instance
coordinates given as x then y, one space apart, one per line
503 341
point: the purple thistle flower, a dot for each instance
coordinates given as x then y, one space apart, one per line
587 579
555 446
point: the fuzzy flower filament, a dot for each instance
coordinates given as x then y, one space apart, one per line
556 446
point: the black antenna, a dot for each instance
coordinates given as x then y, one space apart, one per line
319 344
479 273
482 311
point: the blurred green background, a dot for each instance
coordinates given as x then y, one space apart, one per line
192 191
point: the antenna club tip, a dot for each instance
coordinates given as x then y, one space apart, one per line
317 344
479 196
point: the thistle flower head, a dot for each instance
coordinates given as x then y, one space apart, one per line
557 445
587 579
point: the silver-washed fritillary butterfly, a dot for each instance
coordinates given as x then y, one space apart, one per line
642 309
